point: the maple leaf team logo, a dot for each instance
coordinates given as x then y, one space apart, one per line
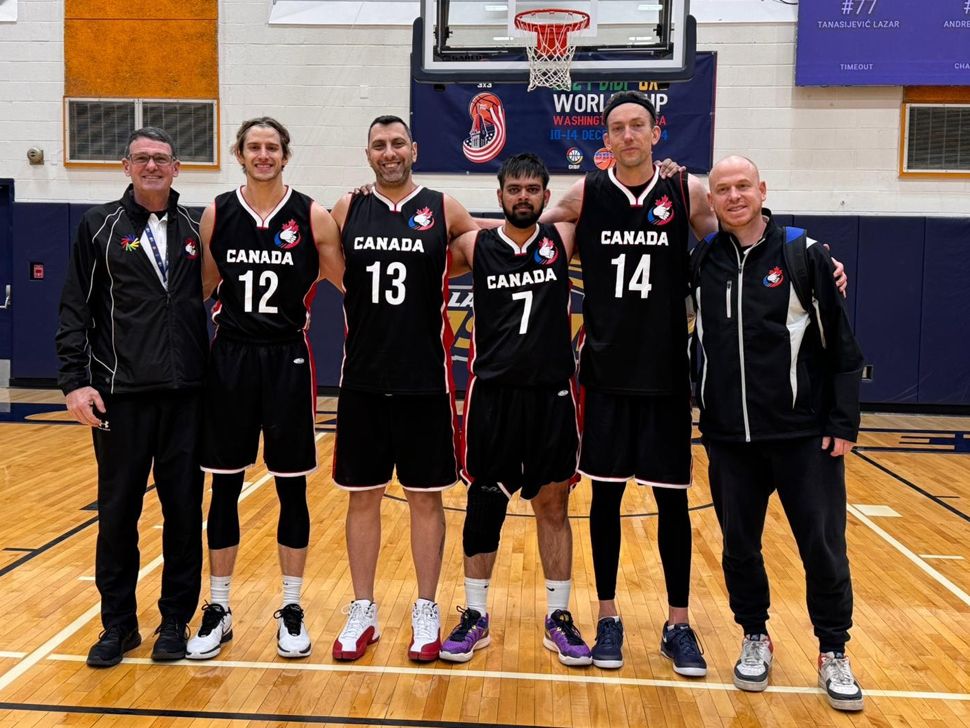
130 243
289 236
191 249
423 219
546 253
661 212
774 278
486 138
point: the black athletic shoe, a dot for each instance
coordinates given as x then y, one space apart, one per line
608 650
172 637
111 646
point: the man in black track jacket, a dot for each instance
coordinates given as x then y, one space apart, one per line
132 343
779 396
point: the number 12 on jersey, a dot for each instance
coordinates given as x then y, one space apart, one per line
639 281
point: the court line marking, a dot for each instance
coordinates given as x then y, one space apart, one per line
15 655
506 675
920 563
54 642
941 557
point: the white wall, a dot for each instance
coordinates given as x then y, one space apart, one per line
820 149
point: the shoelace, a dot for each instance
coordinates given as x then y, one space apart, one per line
212 615
469 618
755 653
839 671
292 618
425 622
357 617
171 627
685 641
610 634
564 623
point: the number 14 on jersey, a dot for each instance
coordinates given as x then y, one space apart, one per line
639 280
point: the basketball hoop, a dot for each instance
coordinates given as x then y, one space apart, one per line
550 58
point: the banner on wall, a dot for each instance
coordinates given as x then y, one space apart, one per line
472 127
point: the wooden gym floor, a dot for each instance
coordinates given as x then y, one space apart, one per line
909 530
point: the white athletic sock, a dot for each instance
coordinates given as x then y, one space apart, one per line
557 595
421 602
292 586
219 590
476 594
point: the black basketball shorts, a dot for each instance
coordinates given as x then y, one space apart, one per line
415 433
640 437
520 438
260 387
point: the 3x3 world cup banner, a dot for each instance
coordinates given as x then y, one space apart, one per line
472 127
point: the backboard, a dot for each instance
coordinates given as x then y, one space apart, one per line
477 40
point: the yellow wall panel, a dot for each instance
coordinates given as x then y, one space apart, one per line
141 58
141 9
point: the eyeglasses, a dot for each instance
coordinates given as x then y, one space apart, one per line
161 160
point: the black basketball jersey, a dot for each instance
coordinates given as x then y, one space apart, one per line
522 333
396 292
634 252
269 268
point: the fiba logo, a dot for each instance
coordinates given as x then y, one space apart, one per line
487 136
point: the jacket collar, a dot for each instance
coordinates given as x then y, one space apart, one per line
770 229
138 214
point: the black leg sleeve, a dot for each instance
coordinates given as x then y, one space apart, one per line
604 531
223 530
674 540
293 528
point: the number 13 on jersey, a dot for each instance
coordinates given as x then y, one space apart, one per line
639 281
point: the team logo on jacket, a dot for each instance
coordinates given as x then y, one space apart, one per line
423 219
288 236
661 212
130 243
191 249
486 138
774 278
546 253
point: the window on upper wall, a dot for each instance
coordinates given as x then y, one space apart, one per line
935 132
98 129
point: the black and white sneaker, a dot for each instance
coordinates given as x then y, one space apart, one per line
292 639
836 679
753 667
215 631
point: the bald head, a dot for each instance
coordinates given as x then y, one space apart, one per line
737 194
733 164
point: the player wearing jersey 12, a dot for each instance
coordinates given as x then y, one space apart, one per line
265 246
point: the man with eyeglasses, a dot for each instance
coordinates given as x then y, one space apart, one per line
132 344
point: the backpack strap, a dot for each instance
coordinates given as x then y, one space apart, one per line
795 253
697 256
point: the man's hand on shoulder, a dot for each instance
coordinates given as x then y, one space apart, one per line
841 278
82 402
669 168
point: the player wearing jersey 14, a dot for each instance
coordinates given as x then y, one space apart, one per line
266 246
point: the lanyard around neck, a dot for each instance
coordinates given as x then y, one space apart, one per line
162 268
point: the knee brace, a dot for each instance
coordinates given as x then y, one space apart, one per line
293 528
484 516
223 529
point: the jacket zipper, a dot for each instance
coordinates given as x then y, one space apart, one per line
727 298
744 385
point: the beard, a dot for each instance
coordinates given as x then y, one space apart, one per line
524 217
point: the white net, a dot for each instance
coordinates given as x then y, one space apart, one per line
550 68
552 55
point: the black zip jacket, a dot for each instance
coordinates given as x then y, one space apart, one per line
768 369
120 331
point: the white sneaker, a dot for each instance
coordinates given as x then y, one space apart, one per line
215 631
361 630
425 632
836 679
292 639
754 665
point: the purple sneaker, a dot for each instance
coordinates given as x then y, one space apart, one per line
563 637
471 634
